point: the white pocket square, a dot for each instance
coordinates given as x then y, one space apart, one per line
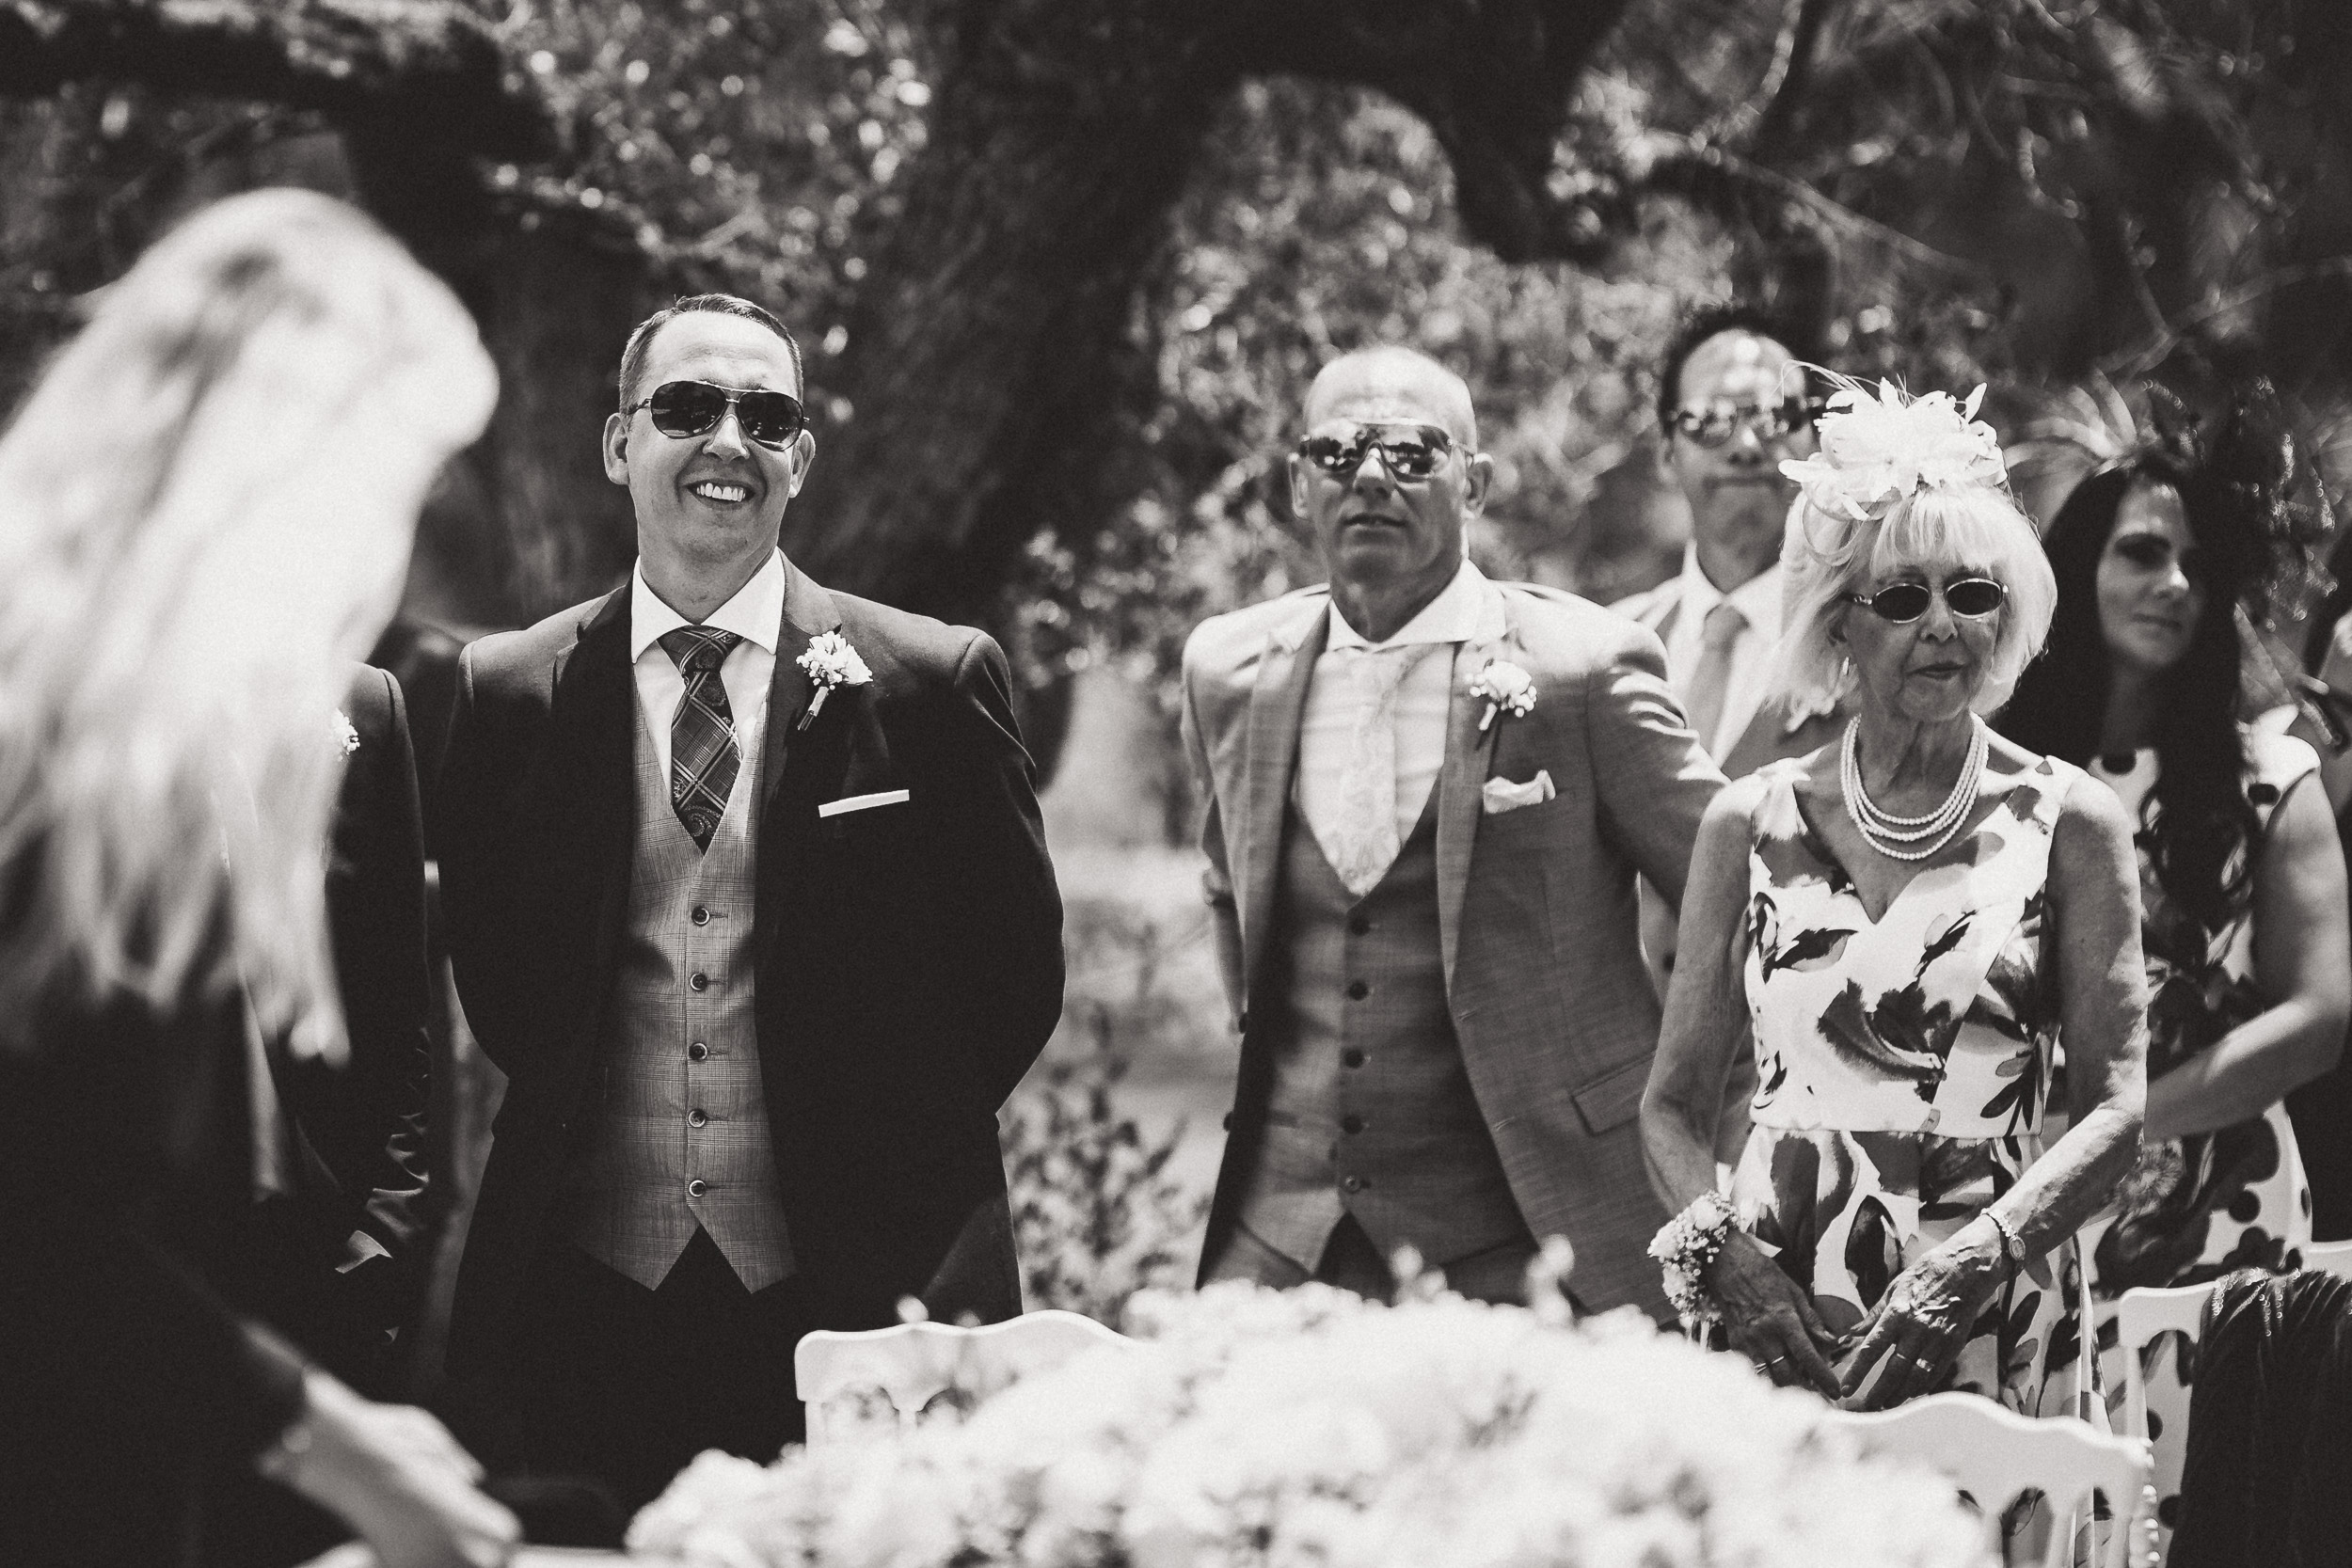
1498 795
863 802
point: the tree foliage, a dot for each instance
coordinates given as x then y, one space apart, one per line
1063 267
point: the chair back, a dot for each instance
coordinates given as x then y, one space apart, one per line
910 1363
2157 1412
2333 1258
1995 1455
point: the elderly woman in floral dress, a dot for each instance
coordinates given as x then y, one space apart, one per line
1908 922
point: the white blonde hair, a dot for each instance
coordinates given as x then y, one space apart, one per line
1826 556
206 508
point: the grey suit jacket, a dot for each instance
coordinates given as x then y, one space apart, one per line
1556 1018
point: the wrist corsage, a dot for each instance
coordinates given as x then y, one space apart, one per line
1686 1246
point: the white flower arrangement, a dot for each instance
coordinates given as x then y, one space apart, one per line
1876 451
1503 685
829 662
346 733
1311 1428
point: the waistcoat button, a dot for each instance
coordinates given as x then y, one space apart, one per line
1354 1183
697 1187
696 1116
1352 1056
698 981
702 915
696 1051
1351 1124
1359 924
1357 990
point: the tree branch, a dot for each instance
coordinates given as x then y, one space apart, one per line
429 68
1793 62
1493 79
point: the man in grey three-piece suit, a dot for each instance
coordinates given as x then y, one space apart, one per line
1429 796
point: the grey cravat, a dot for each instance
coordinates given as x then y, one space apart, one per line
1366 837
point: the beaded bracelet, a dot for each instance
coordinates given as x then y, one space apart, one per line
1686 1246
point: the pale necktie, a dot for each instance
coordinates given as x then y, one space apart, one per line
1367 842
1711 681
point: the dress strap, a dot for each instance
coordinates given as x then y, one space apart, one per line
1776 814
2044 787
2274 765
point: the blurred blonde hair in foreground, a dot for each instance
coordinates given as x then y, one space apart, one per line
206 510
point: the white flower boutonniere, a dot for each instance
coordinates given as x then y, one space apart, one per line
346 736
1504 685
829 662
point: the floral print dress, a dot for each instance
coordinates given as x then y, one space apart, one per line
1902 1068
2199 1207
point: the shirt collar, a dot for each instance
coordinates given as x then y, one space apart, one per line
1467 608
1757 599
755 613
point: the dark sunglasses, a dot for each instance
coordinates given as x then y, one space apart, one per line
1411 451
683 408
1902 603
1713 424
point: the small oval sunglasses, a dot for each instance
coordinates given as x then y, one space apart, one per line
1902 603
689 408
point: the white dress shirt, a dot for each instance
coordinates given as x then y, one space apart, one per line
1759 601
755 614
1469 607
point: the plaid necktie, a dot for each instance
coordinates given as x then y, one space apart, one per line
703 758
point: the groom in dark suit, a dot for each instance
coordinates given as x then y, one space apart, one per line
748 895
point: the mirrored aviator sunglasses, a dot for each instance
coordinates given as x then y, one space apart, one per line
687 408
1902 603
1411 451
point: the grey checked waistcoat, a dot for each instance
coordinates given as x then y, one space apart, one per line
1371 1111
681 1138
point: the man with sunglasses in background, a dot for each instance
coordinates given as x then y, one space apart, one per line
1733 401
748 895
1428 796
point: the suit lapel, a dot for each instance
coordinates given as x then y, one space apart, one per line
1278 699
591 782
809 612
1468 753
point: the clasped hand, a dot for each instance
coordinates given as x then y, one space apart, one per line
1919 1325
1916 1330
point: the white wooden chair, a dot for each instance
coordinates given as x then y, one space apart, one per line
911 1363
2141 1315
1994 1454
2333 1258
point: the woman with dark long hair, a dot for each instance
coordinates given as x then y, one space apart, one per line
2241 876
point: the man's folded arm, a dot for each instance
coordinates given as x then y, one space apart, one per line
1655 778
481 929
1005 952
1217 881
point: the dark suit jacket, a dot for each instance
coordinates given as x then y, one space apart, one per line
127 1384
909 956
337 1265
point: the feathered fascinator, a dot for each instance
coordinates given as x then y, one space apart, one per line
1879 448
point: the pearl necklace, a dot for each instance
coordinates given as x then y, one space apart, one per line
1892 835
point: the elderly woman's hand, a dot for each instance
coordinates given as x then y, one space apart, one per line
1768 1318
1923 1319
